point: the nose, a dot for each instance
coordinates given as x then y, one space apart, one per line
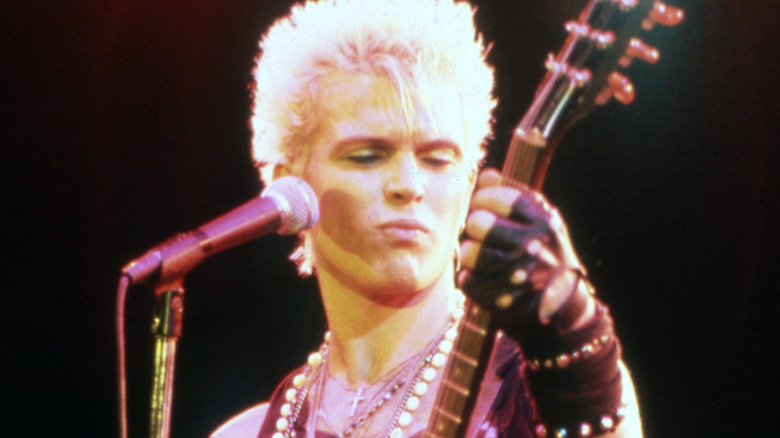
405 183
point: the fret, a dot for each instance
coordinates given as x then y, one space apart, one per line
471 361
521 162
464 377
458 382
474 327
448 415
460 389
469 343
444 426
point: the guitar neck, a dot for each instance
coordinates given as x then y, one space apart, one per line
525 163
462 375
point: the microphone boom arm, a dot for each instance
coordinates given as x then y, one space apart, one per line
288 205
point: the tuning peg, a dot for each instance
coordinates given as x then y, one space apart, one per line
622 88
663 15
626 4
602 39
639 49
619 87
577 28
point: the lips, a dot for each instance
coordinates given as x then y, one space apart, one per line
404 229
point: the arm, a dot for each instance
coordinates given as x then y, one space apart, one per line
521 267
244 425
631 427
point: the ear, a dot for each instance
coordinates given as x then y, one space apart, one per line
282 168
473 177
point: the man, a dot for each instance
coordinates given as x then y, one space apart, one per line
382 107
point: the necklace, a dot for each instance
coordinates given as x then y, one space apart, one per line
411 370
361 392
434 358
358 398
296 395
427 374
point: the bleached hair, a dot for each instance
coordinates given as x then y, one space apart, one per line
406 40
411 42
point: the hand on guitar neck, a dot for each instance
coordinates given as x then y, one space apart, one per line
519 261
520 266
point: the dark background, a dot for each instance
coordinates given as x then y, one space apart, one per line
125 122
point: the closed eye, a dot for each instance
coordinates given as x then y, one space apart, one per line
367 155
439 157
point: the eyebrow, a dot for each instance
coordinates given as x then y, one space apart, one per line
382 142
441 144
360 139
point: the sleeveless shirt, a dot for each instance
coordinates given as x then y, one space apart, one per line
508 414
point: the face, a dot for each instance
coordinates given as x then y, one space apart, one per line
393 186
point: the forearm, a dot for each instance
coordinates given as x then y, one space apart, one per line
575 377
631 426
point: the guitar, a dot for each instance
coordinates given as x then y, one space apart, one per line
580 77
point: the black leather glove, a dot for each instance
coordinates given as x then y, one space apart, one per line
519 262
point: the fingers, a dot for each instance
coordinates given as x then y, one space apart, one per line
489 178
522 205
517 246
500 233
475 255
487 260
510 235
498 199
507 223
532 207
479 223
560 289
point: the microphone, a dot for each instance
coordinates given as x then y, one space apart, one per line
288 205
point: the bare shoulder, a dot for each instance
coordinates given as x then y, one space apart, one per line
244 425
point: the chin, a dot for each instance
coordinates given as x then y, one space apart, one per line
405 278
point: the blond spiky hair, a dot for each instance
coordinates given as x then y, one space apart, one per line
414 43
405 40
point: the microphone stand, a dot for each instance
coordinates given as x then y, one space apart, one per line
286 206
166 329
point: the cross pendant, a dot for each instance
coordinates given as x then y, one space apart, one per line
358 398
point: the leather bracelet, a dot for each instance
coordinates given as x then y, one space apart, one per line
597 425
575 380
563 360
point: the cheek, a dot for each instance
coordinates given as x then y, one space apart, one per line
340 216
455 199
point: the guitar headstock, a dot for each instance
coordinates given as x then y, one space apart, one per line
630 47
587 70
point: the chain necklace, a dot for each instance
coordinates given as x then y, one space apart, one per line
393 375
414 367
435 356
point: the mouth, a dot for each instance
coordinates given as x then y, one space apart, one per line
404 229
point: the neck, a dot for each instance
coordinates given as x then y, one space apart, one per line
370 335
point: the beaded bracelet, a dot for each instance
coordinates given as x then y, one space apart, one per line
577 392
591 427
563 360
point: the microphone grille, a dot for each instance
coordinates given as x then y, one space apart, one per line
300 210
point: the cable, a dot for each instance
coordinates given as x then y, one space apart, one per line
121 293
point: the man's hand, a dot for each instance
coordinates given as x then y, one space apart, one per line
518 259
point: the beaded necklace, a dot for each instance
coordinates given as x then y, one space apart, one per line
435 356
